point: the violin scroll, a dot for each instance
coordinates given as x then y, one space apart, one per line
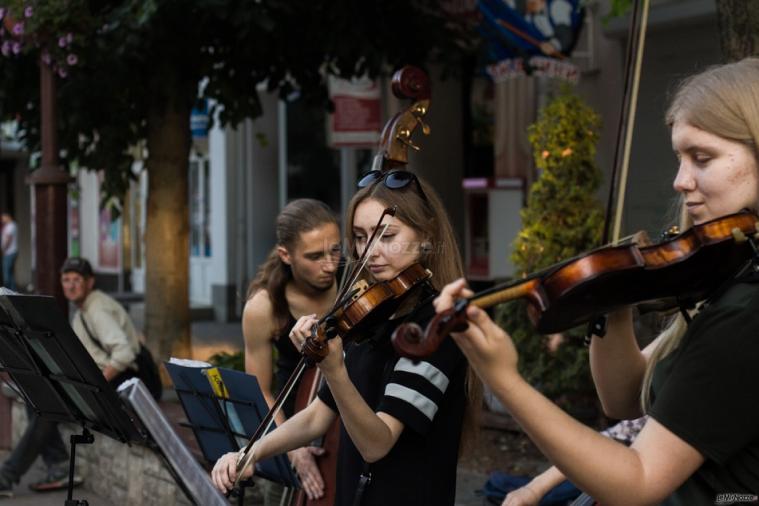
410 341
315 346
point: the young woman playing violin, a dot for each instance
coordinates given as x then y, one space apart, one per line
401 421
698 382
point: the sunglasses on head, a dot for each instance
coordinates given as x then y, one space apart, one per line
393 179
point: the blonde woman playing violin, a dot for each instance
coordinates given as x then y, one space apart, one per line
697 382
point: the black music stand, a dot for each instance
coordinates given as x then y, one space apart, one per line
56 376
59 381
224 424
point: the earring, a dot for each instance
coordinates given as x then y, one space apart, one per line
426 247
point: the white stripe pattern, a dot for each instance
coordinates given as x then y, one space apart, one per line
419 401
426 370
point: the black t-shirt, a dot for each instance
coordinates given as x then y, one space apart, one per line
429 398
707 393
287 359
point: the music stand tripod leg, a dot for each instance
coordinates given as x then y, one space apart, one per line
85 438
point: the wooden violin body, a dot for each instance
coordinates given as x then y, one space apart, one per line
684 269
379 300
679 271
370 305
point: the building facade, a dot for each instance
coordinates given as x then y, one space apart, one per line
241 177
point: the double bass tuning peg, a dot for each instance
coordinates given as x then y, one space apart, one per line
425 126
408 143
419 111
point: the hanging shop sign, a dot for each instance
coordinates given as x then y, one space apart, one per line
355 121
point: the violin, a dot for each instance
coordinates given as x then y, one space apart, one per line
369 305
677 272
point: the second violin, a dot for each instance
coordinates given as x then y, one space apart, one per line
677 272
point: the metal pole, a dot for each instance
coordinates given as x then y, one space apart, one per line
50 191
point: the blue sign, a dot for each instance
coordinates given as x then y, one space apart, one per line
199 121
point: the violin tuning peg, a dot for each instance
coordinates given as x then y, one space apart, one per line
738 235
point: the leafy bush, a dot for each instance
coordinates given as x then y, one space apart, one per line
226 360
562 219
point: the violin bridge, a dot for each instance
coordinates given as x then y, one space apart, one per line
738 235
360 287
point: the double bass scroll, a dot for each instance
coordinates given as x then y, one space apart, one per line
396 139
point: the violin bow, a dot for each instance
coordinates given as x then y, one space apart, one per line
634 61
374 239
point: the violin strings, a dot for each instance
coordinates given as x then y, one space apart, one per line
363 262
624 240
359 265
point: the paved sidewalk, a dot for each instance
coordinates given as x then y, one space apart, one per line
467 484
22 496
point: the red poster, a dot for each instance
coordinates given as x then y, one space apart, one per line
356 120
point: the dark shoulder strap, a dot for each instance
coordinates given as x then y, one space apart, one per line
89 333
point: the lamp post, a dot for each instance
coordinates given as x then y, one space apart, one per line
50 184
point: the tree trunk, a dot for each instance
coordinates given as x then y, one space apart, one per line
738 28
167 302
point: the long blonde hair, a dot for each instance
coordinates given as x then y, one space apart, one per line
722 100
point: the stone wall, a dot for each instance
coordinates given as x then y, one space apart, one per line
126 475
